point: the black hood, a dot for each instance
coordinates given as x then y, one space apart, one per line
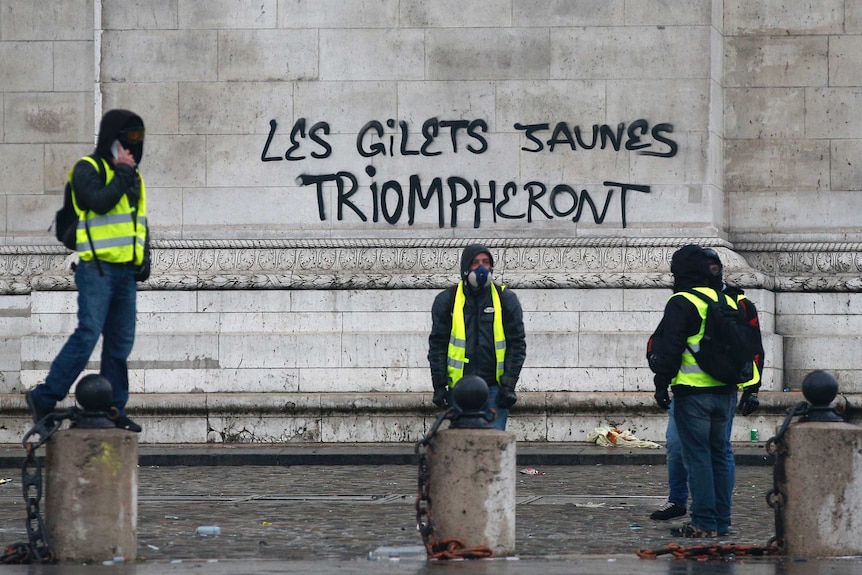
114 122
690 268
467 256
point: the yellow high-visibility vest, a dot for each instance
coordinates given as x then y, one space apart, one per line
458 338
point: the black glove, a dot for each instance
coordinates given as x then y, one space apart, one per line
441 397
662 396
506 396
749 402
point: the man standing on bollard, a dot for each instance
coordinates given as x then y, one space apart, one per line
112 239
677 477
703 405
477 328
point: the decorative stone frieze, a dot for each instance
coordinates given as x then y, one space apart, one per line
387 264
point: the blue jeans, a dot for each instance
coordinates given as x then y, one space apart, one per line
502 414
677 476
106 307
703 420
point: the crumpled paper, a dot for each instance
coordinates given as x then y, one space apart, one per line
608 436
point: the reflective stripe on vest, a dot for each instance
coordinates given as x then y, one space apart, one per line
690 372
458 338
117 236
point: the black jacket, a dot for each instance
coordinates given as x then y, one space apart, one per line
479 325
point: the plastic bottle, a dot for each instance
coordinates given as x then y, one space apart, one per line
207 530
410 552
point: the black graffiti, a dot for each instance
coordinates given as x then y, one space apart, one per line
389 199
431 132
635 137
298 132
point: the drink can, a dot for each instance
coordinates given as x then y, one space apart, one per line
754 436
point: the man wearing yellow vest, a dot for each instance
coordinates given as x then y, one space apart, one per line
477 328
702 405
111 240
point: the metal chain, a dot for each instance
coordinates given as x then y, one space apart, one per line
37 548
450 548
775 497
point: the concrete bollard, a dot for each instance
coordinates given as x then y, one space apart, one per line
821 477
91 494
472 488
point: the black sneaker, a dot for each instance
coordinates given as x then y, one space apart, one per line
36 412
123 422
667 511
689 531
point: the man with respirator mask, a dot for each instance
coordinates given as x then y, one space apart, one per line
477 328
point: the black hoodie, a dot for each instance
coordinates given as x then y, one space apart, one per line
91 193
479 324
681 320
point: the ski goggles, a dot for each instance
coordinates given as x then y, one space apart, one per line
131 135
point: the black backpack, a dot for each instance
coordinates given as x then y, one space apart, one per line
729 342
66 220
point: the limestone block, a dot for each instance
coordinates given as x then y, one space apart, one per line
821 482
240 209
232 108
387 322
91 498
362 429
844 60
687 166
853 18
576 102
552 350
635 379
151 15
537 377
156 102
368 54
487 54
72 20
345 106
147 302
454 14
563 13
73 66
673 13
227 14
642 52
780 18
62 117
175 161
611 349
846 174
27 66
298 323
420 101
821 324
829 112
817 304
21 169
624 321
171 429
776 61
769 113
778 213
384 349
364 380
172 322
687 206
685 103
527 427
165 210
161 56
375 301
761 165
227 301
338 14
10 347
221 380
30 212
193 350
59 159
822 352
280 351
267 55
571 300
249 429
557 321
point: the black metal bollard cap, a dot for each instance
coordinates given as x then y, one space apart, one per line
820 388
470 394
94 394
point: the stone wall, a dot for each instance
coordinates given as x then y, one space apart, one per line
313 169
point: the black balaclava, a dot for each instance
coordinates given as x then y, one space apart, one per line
716 281
113 124
690 268
481 277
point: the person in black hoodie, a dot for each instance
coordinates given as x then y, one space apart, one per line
477 328
111 241
703 406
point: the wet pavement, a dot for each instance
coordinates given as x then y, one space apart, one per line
326 518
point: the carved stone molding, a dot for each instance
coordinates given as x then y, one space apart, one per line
433 263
